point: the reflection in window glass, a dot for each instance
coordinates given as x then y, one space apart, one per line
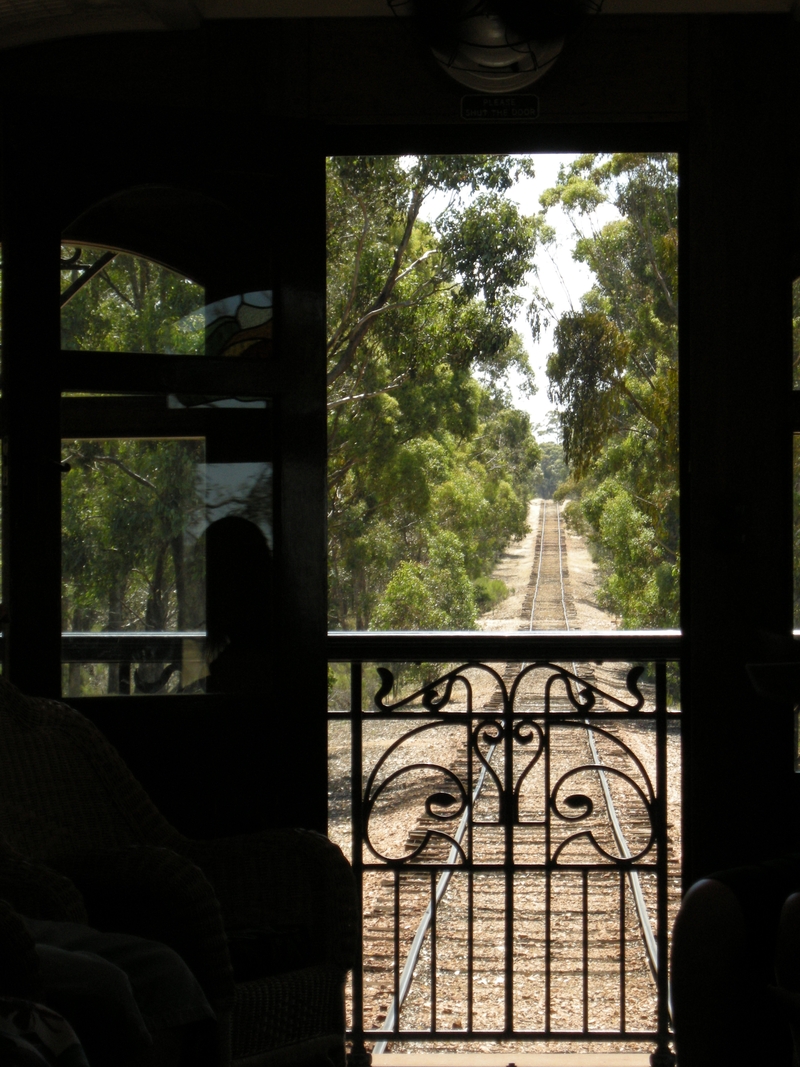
241 325
240 489
115 302
132 551
166 568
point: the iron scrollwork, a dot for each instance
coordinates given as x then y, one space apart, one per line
567 704
438 805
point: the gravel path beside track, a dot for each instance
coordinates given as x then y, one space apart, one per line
582 962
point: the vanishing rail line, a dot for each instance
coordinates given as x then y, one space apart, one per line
548 606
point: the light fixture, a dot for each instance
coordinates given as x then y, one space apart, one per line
496 46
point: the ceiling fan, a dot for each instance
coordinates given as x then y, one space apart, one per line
496 46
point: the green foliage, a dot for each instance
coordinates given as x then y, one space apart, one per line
488 592
641 584
574 517
614 375
128 561
429 467
125 508
553 471
587 375
436 595
133 305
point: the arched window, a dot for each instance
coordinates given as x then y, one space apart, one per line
166 429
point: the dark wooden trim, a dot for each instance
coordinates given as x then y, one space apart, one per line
123 372
31 495
149 416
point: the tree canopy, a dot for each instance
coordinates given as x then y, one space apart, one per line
131 305
614 377
430 466
553 471
128 562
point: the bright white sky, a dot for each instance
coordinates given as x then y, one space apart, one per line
562 279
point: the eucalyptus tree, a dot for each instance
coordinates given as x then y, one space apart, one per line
614 377
131 305
128 562
553 471
429 468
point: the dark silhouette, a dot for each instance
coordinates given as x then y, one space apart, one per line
239 607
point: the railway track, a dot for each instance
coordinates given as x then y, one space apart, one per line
582 952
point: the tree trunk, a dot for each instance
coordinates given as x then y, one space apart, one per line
114 622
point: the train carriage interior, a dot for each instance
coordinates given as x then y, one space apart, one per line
185 141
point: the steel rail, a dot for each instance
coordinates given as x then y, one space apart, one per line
539 568
634 880
412 959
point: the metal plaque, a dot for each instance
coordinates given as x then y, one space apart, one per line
500 108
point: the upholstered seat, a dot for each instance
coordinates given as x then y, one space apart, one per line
266 921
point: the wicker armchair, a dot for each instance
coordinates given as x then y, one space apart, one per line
84 842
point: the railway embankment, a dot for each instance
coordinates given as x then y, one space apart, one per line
516 569
579 954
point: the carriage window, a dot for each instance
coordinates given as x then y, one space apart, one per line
133 562
166 545
115 302
166 495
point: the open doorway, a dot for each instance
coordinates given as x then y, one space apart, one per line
503 468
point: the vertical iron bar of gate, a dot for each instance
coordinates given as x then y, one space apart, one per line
663 1056
470 725
433 948
623 962
548 872
396 952
585 947
509 816
470 948
359 1057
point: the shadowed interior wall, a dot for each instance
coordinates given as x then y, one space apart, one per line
222 104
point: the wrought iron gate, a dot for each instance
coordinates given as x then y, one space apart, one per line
509 830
